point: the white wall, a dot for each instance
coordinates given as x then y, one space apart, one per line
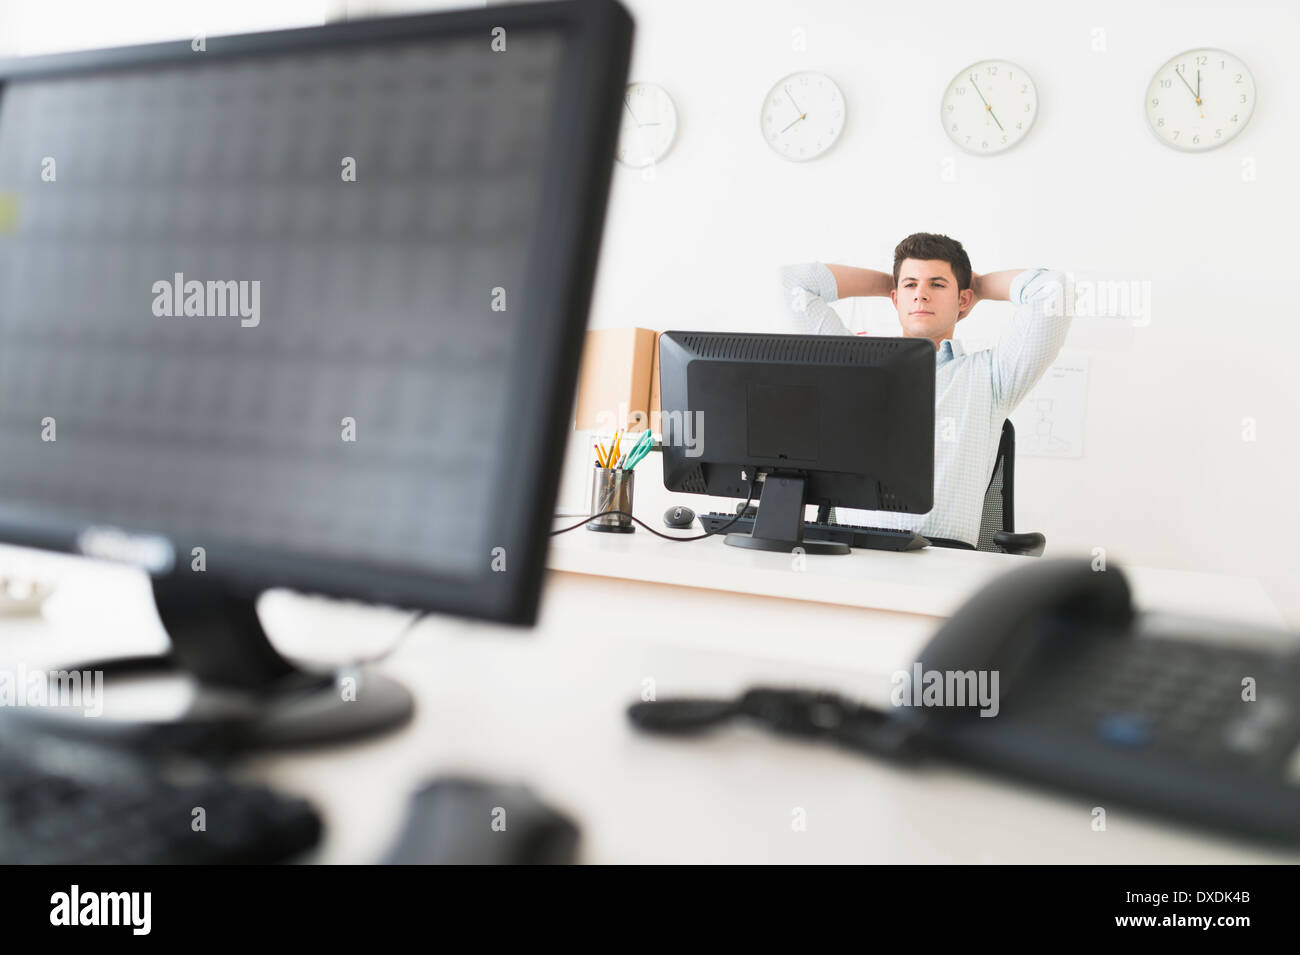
1166 478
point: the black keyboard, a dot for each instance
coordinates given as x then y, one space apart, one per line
64 801
873 538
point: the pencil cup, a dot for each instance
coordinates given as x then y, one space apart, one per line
611 491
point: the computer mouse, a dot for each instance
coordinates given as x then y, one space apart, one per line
678 516
460 821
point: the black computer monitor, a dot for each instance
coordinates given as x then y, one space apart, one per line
797 420
305 309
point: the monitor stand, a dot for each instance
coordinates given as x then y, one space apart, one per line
246 695
779 523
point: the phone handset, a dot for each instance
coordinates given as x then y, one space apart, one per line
996 628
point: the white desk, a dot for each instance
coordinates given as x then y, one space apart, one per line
934 581
547 707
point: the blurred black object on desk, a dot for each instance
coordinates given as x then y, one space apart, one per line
456 821
71 802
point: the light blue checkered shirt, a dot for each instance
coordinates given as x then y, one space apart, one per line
974 392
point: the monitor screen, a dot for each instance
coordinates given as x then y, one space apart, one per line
279 298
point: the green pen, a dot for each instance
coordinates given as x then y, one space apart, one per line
633 455
643 447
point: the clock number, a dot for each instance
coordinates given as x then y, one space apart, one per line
1155 102
1243 97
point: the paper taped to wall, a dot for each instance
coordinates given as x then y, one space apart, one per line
1049 422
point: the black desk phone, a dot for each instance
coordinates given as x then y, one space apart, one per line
1197 720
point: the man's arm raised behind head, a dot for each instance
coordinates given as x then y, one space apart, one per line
1037 332
854 282
809 288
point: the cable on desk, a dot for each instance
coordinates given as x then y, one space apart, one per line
397 642
668 537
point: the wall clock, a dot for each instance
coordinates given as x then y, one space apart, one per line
989 107
649 125
1200 99
802 116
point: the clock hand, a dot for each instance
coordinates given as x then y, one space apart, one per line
803 116
796 105
629 109
1198 94
986 103
1189 86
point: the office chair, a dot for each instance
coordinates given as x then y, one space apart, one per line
997 519
998 516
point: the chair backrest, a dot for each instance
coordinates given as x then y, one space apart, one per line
999 510
999 507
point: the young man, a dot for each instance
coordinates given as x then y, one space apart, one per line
933 288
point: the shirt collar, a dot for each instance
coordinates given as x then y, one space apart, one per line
948 349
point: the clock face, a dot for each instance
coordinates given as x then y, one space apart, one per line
1200 99
802 116
989 107
649 125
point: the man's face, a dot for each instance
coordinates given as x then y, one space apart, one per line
927 298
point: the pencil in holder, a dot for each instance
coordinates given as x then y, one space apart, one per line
611 490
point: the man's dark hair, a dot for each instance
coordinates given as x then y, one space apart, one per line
928 246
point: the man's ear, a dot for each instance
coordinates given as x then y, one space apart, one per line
965 302
893 296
